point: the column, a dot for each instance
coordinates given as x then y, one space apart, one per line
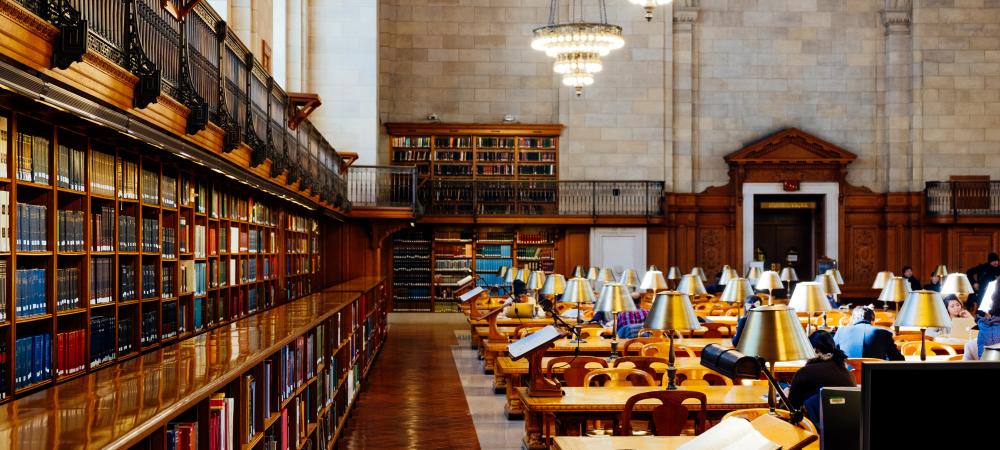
685 163
897 84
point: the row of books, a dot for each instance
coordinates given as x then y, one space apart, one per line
126 282
101 279
125 345
451 155
103 228
148 280
3 294
502 251
102 340
102 174
70 171
221 423
150 235
169 320
31 294
167 286
150 327
193 277
127 178
126 234
70 230
296 366
261 214
4 138
150 187
182 436
301 224
32 234
68 287
453 142
33 158
169 242
410 141
492 265
169 191
71 348
33 359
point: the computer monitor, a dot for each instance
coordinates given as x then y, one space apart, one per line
840 418
904 401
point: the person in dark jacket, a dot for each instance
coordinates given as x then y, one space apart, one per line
989 330
908 276
751 302
827 369
935 284
864 340
982 275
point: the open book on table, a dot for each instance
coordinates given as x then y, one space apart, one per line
764 433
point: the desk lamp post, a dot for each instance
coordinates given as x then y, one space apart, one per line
773 333
578 291
769 280
614 299
923 309
671 311
810 297
737 290
941 271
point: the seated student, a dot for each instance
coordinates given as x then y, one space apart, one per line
989 331
864 340
751 302
827 369
935 284
955 310
910 278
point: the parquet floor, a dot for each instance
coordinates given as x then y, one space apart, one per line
414 397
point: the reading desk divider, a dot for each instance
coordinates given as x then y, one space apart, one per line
534 346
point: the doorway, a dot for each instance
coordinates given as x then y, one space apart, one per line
788 230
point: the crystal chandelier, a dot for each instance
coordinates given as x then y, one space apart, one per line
649 6
577 45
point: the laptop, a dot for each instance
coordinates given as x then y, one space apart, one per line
961 328
840 418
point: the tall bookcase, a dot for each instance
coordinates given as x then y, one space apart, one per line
107 251
454 252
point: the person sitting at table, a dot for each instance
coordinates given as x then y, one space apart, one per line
751 302
864 340
955 310
827 369
910 278
989 331
935 284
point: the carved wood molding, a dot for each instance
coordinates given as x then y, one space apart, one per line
300 106
26 19
179 11
109 68
379 230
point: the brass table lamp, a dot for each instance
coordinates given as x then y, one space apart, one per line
895 291
773 333
986 301
674 274
769 280
788 276
699 272
957 283
510 276
502 271
923 309
737 290
671 311
536 279
836 275
881 279
652 267
753 274
728 274
629 278
577 290
830 286
592 273
941 271
614 299
554 286
990 353
653 281
691 285
810 297
579 272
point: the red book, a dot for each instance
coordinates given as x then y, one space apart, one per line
283 438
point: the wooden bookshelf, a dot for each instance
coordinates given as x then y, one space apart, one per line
327 341
113 235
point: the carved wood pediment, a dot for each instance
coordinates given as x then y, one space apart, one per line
791 146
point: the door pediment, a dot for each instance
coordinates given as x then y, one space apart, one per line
790 154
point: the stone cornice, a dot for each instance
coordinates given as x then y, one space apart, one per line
685 15
897 16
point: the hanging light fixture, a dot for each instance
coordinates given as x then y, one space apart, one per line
577 45
649 6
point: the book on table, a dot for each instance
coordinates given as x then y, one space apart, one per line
731 434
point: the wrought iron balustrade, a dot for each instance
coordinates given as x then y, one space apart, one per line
962 198
551 198
383 187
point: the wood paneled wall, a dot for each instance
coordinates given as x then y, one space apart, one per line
347 252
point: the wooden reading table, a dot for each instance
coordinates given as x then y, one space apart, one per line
595 347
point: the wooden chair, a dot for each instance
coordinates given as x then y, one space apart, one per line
523 330
752 413
619 377
562 307
669 418
643 363
577 367
717 330
933 348
699 377
652 332
900 338
702 309
855 365
732 312
638 343
662 349
595 332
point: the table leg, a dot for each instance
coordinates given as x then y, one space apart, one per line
474 341
533 430
499 381
489 358
513 407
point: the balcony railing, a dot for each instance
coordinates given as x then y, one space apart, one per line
199 62
552 198
382 187
963 198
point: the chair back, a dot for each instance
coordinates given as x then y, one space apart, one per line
732 312
669 418
908 337
662 349
752 413
855 365
619 377
717 330
652 332
594 332
577 368
933 348
636 344
643 363
699 377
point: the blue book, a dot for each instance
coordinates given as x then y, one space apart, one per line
48 356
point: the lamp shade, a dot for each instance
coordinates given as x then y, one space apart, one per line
941 271
956 283
578 290
592 273
774 333
614 298
881 279
769 280
728 274
579 272
510 276
606 275
699 272
896 290
754 273
828 284
990 353
737 290
502 272
673 273
788 274
671 310
836 275
629 278
653 281
536 279
652 267
923 309
691 285
523 274
986 301
555 284
809 296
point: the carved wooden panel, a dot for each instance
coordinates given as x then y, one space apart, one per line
972 247
862 257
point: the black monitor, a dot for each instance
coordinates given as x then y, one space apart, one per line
840 418
905 402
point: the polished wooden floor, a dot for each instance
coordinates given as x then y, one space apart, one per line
414 398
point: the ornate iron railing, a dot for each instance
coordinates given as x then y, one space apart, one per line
550 198
198 61
383 187
962 198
